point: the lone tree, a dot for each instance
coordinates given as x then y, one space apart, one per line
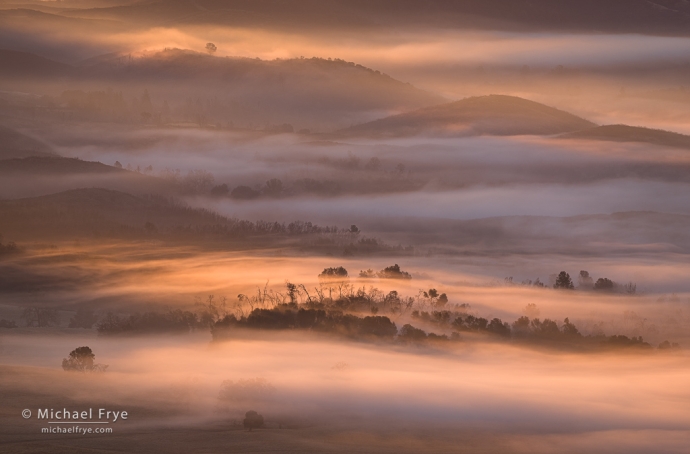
81 359
211 48
563 281
252 420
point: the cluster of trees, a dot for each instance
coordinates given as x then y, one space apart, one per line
390 272
563 281
291 317
8 248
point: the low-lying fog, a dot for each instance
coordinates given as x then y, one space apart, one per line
305 382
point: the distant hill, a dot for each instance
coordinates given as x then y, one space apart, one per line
482 115
54 165
15 64
14 144
41 175
625 133
191 87
618 16
109 214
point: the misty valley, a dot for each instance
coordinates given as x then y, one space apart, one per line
376 227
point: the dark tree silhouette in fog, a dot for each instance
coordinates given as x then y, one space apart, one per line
252 420
604 284
563 281
82 359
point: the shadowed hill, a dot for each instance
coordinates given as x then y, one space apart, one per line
104 213
624 133
483 115
14 144
54 165
24 64
187 86
42 175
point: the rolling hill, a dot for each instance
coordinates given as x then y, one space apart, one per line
482 115
246 92
625 133
14 144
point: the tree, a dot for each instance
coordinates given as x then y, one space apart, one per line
333 273
244 193
252 420
210 48
81 359
274 187
585 280
563 281
393 272
603 284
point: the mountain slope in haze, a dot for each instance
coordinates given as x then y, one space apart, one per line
625 133
14 144
115 215
187 86
278 89
41 175
24 64
618 16
483 115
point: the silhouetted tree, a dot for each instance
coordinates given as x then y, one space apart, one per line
409 333
338 272
252 420
585 281
220 190
244 193
210 48
274 187
81 359
563 281
393 272
603 284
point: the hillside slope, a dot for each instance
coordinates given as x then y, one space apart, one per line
14 144
625 133
482 115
